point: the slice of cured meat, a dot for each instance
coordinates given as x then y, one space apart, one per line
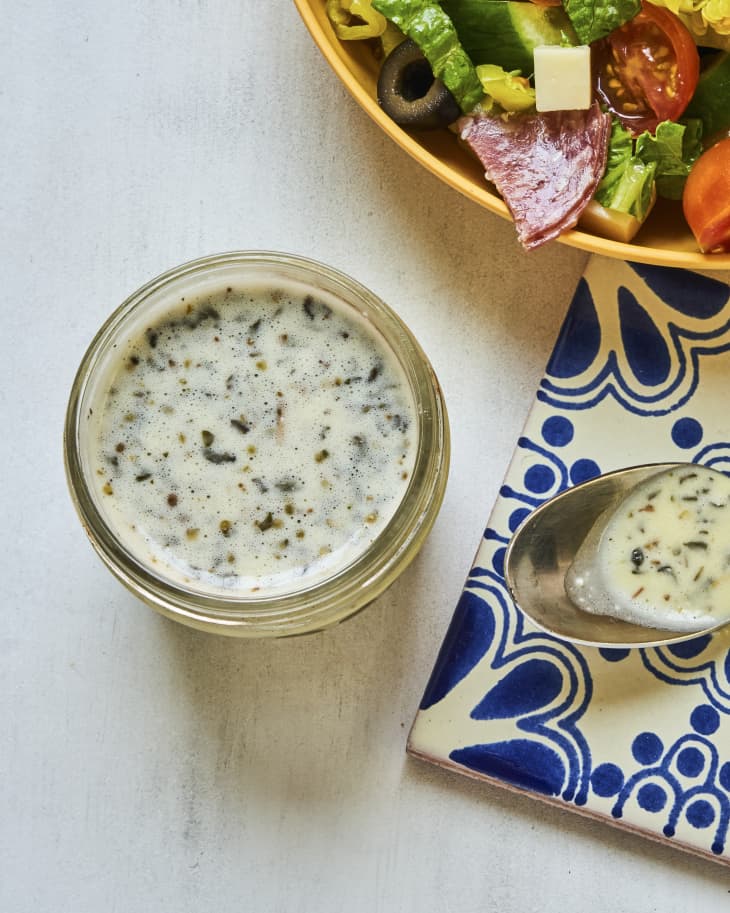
545 166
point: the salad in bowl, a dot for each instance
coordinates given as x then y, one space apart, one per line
604 125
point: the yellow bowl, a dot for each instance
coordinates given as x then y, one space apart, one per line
664 239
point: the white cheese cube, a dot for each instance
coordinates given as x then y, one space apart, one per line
563 78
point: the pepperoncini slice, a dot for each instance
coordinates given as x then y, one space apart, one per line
510 90
391 38
354 20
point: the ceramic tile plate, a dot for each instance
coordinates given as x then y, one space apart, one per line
639 738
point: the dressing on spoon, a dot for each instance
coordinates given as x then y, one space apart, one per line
661 559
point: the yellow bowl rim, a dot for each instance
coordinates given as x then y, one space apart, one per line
482 196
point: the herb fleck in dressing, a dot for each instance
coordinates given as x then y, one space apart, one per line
255 439
662 559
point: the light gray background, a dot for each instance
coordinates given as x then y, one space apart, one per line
149 767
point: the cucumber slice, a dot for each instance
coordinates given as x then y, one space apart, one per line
506 32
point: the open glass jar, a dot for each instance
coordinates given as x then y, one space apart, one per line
256 444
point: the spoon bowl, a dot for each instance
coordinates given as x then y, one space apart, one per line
543 547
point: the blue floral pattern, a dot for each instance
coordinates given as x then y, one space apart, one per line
638 336
638 375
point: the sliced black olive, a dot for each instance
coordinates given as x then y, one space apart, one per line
408 92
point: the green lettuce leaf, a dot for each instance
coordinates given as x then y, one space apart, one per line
673 150
628 182
433 31
594 19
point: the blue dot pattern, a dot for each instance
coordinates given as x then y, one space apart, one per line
647 748
652 797
705 719
582 470
607 780
539 479
613 654
700 813
557 431
690 762
724 777
498 561
517 516
686 433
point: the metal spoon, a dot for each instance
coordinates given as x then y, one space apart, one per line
543 547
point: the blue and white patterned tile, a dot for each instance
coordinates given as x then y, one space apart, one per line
640 373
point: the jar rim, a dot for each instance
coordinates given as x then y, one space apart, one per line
348 589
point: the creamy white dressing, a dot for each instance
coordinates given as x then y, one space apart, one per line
662 557
257 439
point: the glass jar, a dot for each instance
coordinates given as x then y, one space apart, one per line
306 605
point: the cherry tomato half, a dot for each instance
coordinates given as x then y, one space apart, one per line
647 69
706 198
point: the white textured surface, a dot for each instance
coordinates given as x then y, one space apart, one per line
149 767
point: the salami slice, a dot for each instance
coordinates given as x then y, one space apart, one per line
545 166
